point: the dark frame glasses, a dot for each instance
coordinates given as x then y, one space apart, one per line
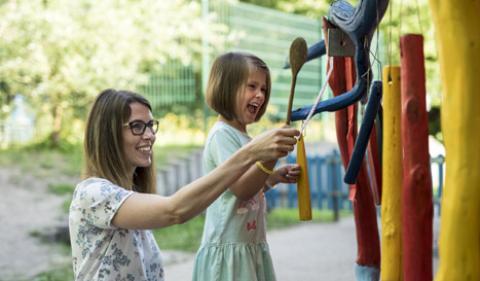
138 127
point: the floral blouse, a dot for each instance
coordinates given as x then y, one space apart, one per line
101 251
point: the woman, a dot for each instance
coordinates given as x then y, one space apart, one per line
115 205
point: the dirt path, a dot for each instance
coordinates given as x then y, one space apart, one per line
26 207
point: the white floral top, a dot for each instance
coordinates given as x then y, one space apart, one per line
102 251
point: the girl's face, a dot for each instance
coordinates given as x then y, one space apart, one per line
138 147
250 99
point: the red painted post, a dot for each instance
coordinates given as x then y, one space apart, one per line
368 242
417 202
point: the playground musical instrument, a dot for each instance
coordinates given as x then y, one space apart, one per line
298 56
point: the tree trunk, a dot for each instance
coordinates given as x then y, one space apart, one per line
57 125
458 43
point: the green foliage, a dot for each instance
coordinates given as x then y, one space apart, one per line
48 162
61 188
163 154
181 129
311 8
46 144
280 218
60 54
66 205
184 237
64 273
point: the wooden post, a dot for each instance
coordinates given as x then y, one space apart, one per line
392 177
458 44
417 199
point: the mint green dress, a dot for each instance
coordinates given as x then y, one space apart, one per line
234 246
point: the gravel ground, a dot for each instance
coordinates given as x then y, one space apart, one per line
26 207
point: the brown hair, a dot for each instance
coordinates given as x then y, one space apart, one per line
103 143
228 76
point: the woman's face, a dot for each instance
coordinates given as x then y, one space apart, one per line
138 148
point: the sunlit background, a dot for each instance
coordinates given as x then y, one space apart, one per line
56 56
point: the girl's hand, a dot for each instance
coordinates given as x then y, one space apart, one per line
288 173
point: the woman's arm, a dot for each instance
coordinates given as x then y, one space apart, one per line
142 211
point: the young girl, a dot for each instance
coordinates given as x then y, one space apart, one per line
234 245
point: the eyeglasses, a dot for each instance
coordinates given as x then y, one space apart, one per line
138 127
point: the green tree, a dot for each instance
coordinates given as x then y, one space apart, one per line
61 53
311 8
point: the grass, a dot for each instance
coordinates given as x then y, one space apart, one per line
182 237
61 188
282 217
43 162
187 236
63 273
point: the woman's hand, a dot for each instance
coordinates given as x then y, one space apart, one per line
272 144
288 173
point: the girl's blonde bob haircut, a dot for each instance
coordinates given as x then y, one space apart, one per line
228 78
103 143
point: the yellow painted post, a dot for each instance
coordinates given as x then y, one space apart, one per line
458 43
303 186
392 177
